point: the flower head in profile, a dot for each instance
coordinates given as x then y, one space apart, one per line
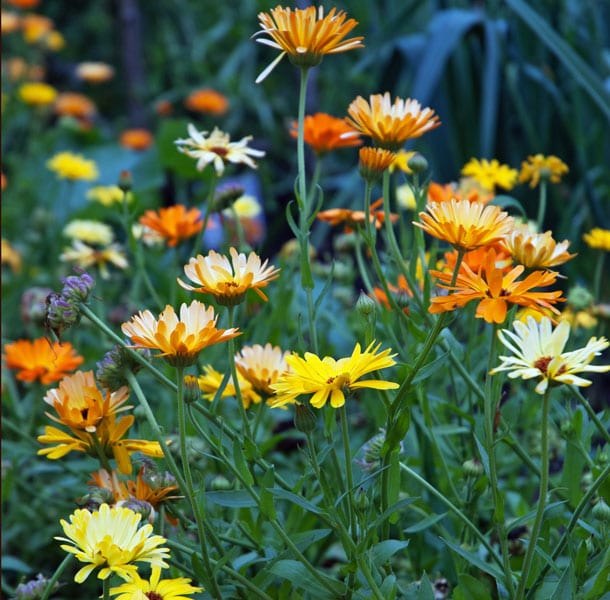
262 365
112 540
540 168
41 360
217 149
85 256
465 225
207 101
323 133
352 219
390 124
226 279
598 239
305 35
538 353
211 381
536 250
490 173
181 337
495 290
174 223
67 165
89 231
373 162
155 588
327 378
37 93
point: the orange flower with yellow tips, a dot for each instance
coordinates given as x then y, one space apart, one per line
323 133
536 250
495 290
352 219
443 193
174 223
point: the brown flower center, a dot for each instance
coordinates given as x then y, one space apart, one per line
542 364
222 152
153 596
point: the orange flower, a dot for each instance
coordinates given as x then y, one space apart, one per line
24 4
35 27
401 290
443 193
476 259
324 132
466 226
41 359
536 250
495 290
354 218
207 101
374 161
10 22
94 72
136 139
174 223
390 124
74 105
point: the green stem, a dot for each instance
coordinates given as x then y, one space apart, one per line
106 589
48 590
544 482
541 205
302 195
597 278
100 451
208 211
349 475
583 401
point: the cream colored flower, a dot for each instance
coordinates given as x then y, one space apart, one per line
262 365
90 232
536 250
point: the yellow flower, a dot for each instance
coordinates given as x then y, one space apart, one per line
390 124
327 377
262 365
229 280
246 207
107 195
405 198
113 540
179 339
91 232
217 149
465 225
579 318
156 588
536 250
598 238
68 165
490 174
10 256
305 35
539 167
538 354
85 256
37 93
211 380
401 161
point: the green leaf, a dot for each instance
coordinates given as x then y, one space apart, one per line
566 586
267 507
426 591
490 86
475 560
505 201
470 588
12 563
231 498
299 576
296 499
393 508
305 539
380 553
240 463
388 587
425 523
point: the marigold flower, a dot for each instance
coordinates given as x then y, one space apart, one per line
323 133
136 139
352 219
476 259
538 353
598 239
465 225
327 377
490 173
90 232
155 588
540 167
107 195
217 149
262 365
74 105
390 124
373 162
113 540
536 250
10 256
68 165
305 35
229 280
174 223
401 161
211 380
495 290
207 101
41 359
94 72
37 93
85 256
180 339
80 404
463 191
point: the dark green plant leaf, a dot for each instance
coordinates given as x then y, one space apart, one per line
298 575
380 553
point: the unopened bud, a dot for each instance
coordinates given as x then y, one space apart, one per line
221 483
472 467
601 511
305 419
361 501
418 163
125 182
112 369
33 589
140 507
95 498
365 306
77 287
192 393
580 297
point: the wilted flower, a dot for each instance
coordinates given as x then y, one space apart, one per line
116 362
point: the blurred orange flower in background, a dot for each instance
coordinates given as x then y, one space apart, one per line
136 139
351 219
207 101
174 223
75 105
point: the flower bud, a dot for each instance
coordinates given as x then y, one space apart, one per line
361 501
601 511
305 419
95 498
61 314
221 483
472 467
418 163
116 362
191 393
365 306
579 297
77 287
140 507
226 195
125 182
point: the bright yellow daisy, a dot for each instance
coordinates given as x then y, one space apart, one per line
324 378
598 239
67 165
490 173
539 167
155 588
37 93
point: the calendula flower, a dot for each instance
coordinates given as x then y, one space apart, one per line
90 232
465 225
465 190
174 223
245 207
390 124
179 338
74 105
211 380
323 133
10 256
41 360
9 22
598 239
107 195
495 290
305 35
94 72
536 250
229 280
538 354
373 162
262 365
476 259
37 93
324 378
352 219
112 540
217 149
67 165
540 167
137 140
85 256
80 404
155 588
207 101
490 173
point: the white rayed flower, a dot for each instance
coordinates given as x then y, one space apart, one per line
217 149
538 354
